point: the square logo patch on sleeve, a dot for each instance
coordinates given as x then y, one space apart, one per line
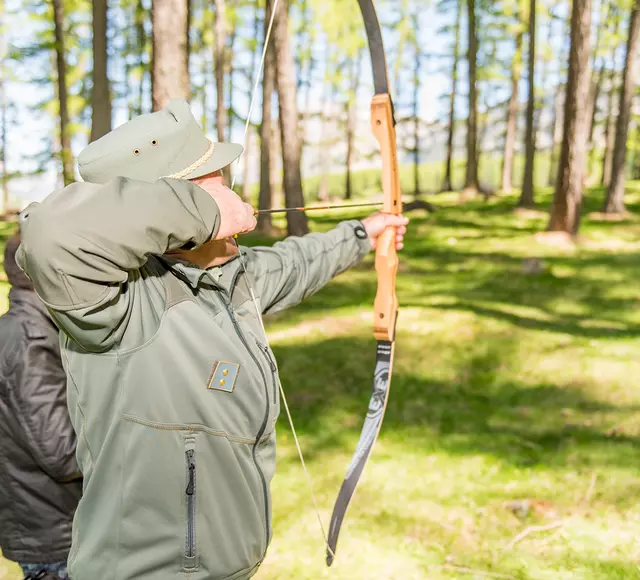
223 377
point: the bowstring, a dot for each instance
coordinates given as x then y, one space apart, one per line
254 93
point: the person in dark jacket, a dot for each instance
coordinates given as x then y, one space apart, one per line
40 483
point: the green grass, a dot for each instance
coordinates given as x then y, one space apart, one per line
507 387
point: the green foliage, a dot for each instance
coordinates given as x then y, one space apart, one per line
510 406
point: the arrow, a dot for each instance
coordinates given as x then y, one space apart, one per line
286 209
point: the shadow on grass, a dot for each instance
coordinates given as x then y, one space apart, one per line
480 411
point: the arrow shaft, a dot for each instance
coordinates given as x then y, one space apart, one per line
315 207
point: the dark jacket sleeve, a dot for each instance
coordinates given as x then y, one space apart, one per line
41 397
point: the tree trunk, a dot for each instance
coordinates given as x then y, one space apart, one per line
4 118
170 74
636 158
471 186
416 111
61 65
561 93
447 183
219 59
187 33
141 35
265 224
614 202
100 97
596 83
609 133
527 197
555 132
351 121
596 78
596 89
246 190
567 199
306 72
297 223
512 111
327 119
230 71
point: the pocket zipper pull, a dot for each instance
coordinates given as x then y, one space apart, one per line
192 468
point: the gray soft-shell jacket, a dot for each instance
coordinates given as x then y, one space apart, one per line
39 479
173 389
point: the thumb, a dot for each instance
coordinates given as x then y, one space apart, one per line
395 220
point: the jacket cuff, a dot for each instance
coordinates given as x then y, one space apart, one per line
361 237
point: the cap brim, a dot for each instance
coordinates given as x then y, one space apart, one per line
224 154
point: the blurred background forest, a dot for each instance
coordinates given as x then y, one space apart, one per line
510 448
484 93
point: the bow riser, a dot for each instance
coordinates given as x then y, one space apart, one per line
386 303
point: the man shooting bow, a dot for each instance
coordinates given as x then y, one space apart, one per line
173 389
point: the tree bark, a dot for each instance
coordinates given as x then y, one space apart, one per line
416 110
61 65
596 78
265 224
560 98
447 183
609 135
512 111
636 158
327 120
219 59
141 35
100 94
609 132
471 185
351 122
567 200
555 132
614 202
230 71
246 187
297 223
4 118
527 196
170 74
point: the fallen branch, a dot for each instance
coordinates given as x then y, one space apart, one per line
532 530
464 570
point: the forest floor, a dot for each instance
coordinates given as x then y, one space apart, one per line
510 447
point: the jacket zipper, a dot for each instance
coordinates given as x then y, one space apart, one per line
272 366
190 495
265 420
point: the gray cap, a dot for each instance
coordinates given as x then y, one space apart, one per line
168 143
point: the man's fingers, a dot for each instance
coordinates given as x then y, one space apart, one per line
395 220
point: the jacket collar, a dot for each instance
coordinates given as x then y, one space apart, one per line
191 273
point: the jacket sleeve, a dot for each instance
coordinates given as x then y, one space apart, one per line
297 267
83 245
41 398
